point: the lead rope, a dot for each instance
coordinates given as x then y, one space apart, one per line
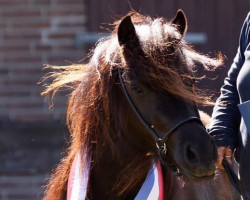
234 179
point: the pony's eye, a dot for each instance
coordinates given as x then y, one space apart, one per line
137 90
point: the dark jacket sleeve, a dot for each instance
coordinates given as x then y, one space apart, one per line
226 116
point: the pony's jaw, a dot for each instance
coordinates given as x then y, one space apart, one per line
196 179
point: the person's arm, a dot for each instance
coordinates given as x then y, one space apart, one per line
226 116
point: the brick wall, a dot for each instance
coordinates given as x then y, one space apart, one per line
33 33
22 187
28 153
32 139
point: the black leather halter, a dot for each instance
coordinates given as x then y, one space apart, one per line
159 141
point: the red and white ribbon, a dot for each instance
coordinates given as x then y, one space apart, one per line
152 188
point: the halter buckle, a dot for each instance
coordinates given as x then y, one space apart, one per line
161 147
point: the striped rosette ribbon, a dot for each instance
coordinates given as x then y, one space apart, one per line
152 188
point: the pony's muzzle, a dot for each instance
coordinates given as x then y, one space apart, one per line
200 159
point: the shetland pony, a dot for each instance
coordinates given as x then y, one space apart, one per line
147 62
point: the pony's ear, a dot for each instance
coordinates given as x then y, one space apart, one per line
180 20
126 31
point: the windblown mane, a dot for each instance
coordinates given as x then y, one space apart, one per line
92 108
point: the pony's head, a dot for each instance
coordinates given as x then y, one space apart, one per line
157 78
145 61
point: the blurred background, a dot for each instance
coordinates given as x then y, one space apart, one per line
60 32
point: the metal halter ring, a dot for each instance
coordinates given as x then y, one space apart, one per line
162 148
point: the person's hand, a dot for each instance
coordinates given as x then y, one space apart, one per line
224 152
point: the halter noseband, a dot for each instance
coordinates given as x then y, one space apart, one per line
159 141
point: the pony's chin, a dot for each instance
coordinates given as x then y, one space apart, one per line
195 179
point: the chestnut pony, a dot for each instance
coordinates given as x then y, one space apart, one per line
132 104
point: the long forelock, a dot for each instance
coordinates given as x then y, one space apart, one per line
157 33
156 36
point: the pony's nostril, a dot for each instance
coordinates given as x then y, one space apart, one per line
192 156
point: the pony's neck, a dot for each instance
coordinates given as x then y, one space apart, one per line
107 171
